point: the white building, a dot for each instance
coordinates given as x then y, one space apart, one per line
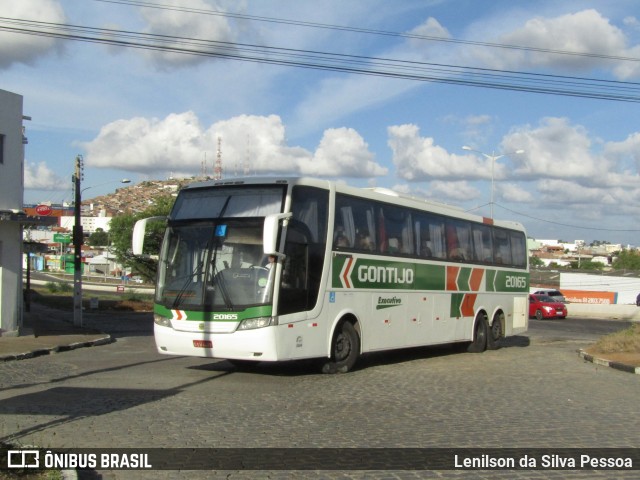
11 214
89 224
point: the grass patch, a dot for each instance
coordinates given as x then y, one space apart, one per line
53 296
624 341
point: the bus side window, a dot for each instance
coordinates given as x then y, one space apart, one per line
501 247
429 232
354 224
482 244
396 230
458 240
519 249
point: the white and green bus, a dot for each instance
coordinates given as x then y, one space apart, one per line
271 269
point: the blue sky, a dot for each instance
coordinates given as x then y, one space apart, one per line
141 114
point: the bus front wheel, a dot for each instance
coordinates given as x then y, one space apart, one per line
479 343
345 349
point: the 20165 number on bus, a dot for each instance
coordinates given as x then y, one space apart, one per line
272 269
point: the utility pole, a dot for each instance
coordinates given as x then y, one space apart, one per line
77 245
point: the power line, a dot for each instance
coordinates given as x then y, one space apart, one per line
303 23
354 64
600 229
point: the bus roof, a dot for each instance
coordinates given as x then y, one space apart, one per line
375 193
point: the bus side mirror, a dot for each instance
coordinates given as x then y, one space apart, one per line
139 230
270 232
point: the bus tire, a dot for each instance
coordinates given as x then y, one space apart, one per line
480 331
345 349
495 332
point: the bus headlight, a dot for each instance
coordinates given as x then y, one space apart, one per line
258 322
162 321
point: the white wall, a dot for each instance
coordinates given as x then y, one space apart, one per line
627 288
11 191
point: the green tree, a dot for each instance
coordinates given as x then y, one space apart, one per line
627 260
99 238
535 262
587 265
121 229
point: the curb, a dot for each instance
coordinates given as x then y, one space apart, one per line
60 348
608 363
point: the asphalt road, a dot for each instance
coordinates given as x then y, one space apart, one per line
534 392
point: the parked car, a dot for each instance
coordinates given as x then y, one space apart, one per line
553 293
133 278
543 306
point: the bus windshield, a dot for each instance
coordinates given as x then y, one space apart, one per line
218 266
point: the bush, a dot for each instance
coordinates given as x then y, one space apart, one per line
59 287
134 296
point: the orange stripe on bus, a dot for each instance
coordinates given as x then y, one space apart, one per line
476 279
452 278
468 305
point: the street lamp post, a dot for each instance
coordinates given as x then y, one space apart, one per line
77 245
78 240
493 157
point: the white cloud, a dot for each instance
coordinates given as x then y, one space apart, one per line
458 191
22 48
473 128
554 149
586 32
251 144
142 145
418 158
514 192
40 177
192 25
627 149
343 152
429 28
632 21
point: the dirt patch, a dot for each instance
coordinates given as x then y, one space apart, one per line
632 359
622 346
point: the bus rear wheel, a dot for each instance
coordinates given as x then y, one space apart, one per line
495 331
480 332
345 349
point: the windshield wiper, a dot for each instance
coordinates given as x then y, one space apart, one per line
178 300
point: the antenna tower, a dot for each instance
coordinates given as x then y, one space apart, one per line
246 164
217 170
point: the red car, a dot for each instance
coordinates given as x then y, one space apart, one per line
543 306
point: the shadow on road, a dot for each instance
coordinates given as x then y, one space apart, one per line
369 360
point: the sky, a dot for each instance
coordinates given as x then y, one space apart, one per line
151 114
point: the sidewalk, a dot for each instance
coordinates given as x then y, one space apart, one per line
47 330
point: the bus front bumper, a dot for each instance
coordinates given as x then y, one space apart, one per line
257 345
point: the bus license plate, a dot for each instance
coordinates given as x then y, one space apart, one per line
203 343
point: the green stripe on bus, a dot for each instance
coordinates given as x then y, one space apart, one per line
456 304
463 279
490 278
225 316
358 273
